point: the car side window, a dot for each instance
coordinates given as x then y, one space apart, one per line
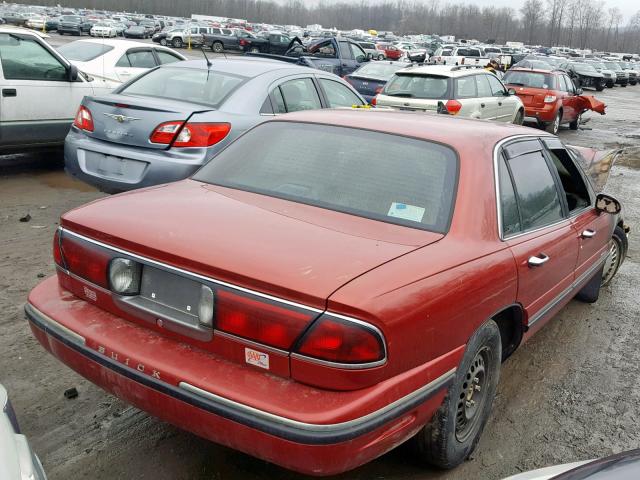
123 61
508 204
497 88
279 106
345 50
300 94
466 87
338 95
141 59
482 84
167 57
536 190
358 53
26 59
575 189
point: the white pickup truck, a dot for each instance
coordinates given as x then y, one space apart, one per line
459 55
40 91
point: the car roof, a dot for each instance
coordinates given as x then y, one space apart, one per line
456 132
534 70
247 67
441 70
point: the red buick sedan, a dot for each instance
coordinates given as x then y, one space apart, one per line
355 285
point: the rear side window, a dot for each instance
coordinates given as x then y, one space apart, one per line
167 57
338 95
399 180
208 88
418 86
536 191
466 87
300 94
508 203
141 59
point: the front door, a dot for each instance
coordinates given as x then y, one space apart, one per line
134 62
37 102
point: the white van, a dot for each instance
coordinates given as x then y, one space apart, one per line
40 91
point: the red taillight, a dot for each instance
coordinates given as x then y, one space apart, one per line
84 119
57 253
374 101
243 42
190 135
342 341
378 90
453 106
258 320
85 260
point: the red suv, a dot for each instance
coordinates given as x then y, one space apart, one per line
550 98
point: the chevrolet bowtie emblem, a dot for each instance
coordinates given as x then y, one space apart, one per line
121 118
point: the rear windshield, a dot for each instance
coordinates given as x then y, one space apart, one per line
417 86
528 79
70 18
378 70
399 180
206 87
83 51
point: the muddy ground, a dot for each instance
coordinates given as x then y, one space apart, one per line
571 393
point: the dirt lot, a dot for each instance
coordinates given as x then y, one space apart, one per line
570 393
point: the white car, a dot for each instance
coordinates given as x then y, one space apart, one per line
36 22
117 61
464 91
17 460
103 29
41 91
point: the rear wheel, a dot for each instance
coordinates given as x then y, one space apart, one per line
254 50
163 42
519 120
554 126
574 125
381 57
456 427
177 42
600 86
217 47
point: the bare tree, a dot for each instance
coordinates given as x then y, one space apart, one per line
531 18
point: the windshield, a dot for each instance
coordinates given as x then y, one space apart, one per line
399 180
528 79
206 87
585 67
612 65
417 86
70 18
378 70
83 51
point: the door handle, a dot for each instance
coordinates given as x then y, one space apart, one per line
538 261
9 92
588 233
482 105
499 104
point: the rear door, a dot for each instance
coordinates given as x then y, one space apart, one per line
535 225
295 95
466 92
567 88
485 96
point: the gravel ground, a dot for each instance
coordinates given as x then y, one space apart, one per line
570 393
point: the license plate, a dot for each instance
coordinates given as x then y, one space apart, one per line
109 165
170 290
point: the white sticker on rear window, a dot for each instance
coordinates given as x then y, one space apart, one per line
406 212
254 357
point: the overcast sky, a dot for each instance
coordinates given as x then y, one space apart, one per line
627 7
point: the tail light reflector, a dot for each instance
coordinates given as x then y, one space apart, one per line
84 119
260 321
549 99
341 341
85 260
374 101
453 106
57 252
190 135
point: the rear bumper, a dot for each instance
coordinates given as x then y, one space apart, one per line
145 168
543 114
310 446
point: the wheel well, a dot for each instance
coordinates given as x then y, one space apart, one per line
509 322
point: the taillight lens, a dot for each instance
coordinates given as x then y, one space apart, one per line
85 260
243 42
374 101
84 119
124 276
57 253
549 99
341 341
453 106
258 320
191 135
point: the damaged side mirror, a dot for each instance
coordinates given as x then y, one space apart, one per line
607 204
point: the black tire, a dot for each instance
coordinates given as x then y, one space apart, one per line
574 125
519 120
554 126
451 436
217 47
617 254
381 57
623 85
254 50
177 42
163 42
600 87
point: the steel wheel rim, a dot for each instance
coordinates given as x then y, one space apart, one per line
472 395
556 124
217 48
611 263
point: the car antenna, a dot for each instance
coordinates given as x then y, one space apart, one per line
209 64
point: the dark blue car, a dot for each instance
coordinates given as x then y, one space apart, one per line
369 79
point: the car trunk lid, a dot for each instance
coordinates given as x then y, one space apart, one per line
531 97
130 120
